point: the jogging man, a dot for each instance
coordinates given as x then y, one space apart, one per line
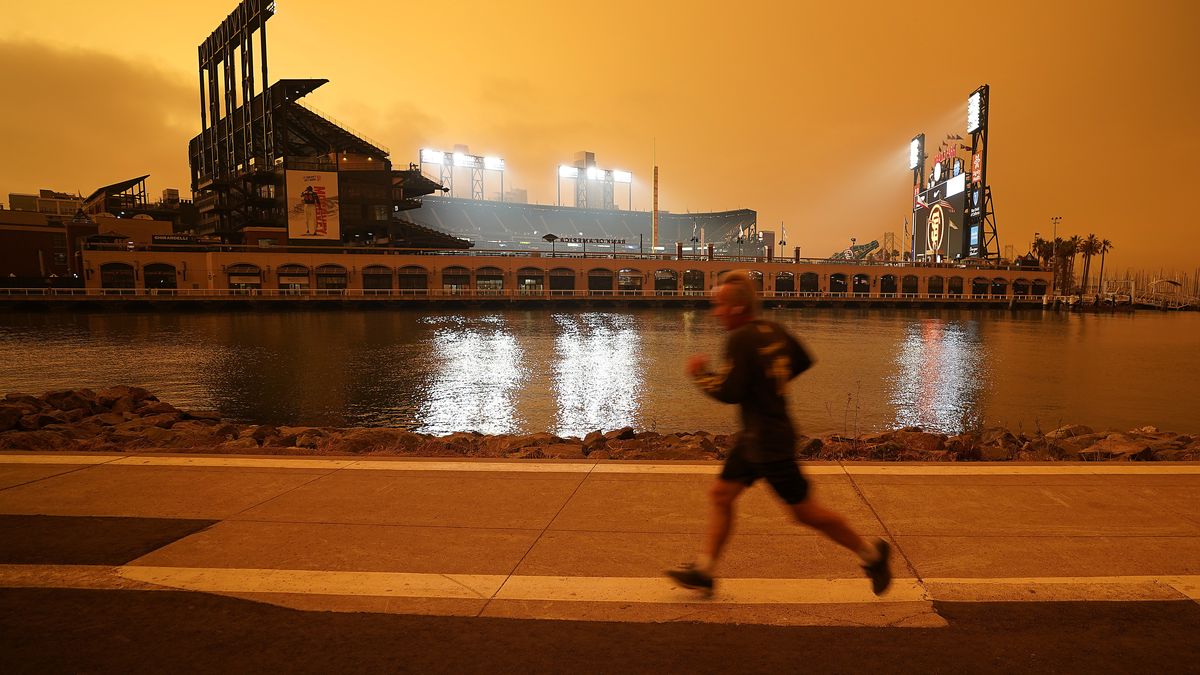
760 359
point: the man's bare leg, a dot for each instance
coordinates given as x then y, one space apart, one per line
721 497
829 523
873 554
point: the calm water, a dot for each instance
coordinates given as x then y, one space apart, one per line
573 371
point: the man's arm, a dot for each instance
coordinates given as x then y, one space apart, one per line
730 382
800 359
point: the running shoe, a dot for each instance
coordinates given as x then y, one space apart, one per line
689 577
879 571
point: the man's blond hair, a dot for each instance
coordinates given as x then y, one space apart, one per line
742 291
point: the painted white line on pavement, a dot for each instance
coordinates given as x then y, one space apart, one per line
728 591
56 459
630 467
237 462
317 582
657 590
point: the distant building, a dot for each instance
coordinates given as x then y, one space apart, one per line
48 202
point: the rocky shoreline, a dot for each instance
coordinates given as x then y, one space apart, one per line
132 419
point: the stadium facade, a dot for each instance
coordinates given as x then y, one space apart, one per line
264 162
500 225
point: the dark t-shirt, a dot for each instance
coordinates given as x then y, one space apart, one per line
760 359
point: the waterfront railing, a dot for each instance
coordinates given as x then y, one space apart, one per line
476 294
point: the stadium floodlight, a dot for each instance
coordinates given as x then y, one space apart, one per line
463 159
976 109
622 176
433 156
493 163
915 150
565 171
594 173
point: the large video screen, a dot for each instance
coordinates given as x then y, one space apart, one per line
938 221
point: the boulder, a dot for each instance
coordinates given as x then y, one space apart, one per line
35 440
38 420
237 445
622 434
70 399
309 438
203 415
157 408
157 437
108 397
919 440
124 404
108 419
562 450
1118 446
33 403
806 446
375 441
1069 431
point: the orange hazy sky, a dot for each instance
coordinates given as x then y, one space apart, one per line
801 111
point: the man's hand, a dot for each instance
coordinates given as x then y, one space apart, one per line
696 364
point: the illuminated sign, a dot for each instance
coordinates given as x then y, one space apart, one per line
579 240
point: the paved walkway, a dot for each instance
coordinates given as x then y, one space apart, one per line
589 541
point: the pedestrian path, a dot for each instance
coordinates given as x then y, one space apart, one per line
589 540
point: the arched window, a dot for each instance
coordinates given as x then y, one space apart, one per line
377 278
693 282
785 283
810 282
160 276
244 277
600 282
629 281
887 284
331 278
293 278
666 282
862 284
456 280
531 281
908 285
562 281
116 276
937 286
837 284
413 280
489 281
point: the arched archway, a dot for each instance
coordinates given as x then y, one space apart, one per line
785 284
756 278
629 281
862 284
117 276
413 280
693 282
888 285
377 278
908 285
331 278
489 281
293 278
1021 287
936 286
666 282
999 286
810 282
837 284
160 277
531 281
1039 286
244 278
562 281
954 286
456 280
600 282
980 286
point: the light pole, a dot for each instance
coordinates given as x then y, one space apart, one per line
1054 221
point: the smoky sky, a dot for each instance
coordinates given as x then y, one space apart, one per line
802 111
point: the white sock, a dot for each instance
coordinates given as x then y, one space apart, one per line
704 563
869 552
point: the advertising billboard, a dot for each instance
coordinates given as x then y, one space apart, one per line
938 221
312 205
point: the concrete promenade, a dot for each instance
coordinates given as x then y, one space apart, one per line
587 541
590 540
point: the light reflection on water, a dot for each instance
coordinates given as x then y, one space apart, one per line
938 380
478 369
571 372
597 372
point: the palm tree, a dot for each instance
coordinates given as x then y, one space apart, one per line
1072 249
1044 251
1103 247
1088 247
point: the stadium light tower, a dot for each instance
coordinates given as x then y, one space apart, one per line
593 174
447 162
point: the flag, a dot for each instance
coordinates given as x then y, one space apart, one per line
694 231
783 234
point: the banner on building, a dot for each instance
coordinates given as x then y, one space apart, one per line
312 205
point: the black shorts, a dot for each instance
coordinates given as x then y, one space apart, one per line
783 476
